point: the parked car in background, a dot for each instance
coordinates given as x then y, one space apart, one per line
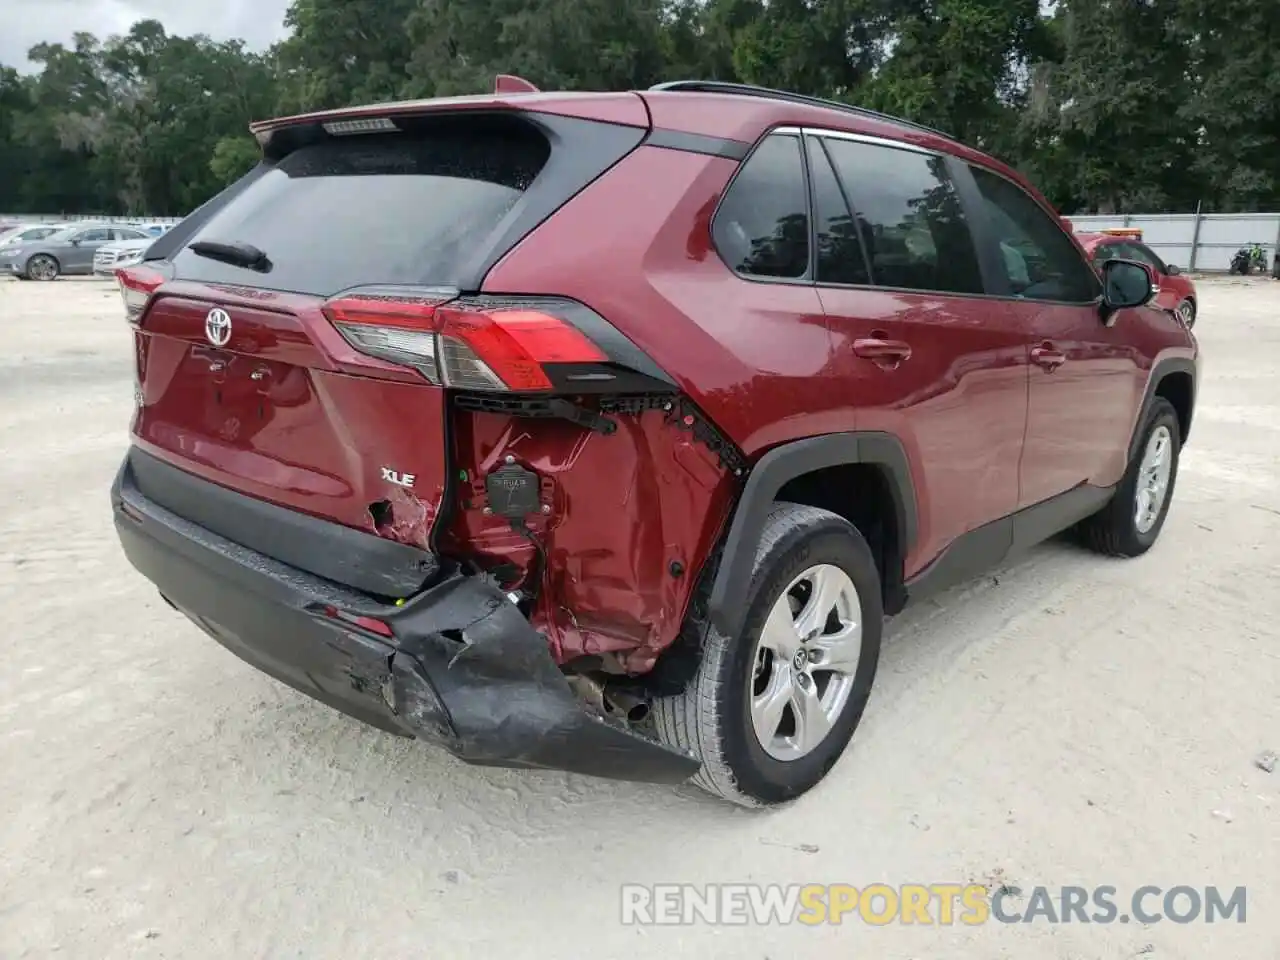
1175 291
119 253
26 232
68 251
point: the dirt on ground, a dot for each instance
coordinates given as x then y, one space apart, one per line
1068 720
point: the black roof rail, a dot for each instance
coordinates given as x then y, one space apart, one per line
750 90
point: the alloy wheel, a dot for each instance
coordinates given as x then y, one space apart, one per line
1153 478
805 662
42 268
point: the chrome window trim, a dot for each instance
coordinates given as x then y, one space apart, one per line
857 138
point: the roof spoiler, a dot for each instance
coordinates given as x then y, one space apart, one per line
509 83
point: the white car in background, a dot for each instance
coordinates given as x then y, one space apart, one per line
119 253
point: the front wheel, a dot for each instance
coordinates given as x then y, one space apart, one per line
1187 311
770 712
42 267
1130 523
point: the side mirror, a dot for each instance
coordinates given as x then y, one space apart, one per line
75 241
1125 284
1172 269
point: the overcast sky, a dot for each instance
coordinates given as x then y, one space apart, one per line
24 23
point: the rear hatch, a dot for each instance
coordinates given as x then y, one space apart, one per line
286 341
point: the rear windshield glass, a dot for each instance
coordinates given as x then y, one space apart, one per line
408 207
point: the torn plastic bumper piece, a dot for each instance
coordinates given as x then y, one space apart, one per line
462 667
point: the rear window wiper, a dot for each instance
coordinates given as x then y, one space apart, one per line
239 254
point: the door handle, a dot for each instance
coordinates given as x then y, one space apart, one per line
1048 357
884 352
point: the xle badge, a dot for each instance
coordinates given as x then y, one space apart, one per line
399 479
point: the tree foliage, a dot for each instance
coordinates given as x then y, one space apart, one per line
1109 105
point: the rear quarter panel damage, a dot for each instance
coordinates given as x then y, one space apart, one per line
632 516
734 348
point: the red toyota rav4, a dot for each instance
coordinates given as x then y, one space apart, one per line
601 431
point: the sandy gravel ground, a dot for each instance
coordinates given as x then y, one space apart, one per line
1070 720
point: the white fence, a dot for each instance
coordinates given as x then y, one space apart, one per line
81 217
1195 241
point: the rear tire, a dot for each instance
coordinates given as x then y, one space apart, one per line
1131 522
42 267
806 556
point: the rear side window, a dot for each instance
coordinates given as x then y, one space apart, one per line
840 254
1040 260
399 208
762 226
915 228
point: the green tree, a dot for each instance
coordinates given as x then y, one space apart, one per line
342 52
1109 107
1233 62
461 45
232 158
959 65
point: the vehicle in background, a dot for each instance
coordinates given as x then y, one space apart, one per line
119 253
27 232
65 252
600 431
149 227
1175 291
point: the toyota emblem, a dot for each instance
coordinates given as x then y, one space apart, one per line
217 327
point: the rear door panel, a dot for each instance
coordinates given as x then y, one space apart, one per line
958 402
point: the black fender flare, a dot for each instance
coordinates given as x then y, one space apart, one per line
727 604
1161 370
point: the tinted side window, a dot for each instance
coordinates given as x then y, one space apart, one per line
840 255
1040 260
762 226
912 222
93 236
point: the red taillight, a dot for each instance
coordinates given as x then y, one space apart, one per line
137 285
399 328
371 624
504 349
463 345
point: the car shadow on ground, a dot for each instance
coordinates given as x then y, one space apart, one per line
917 642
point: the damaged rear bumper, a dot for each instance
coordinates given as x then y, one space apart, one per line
462 667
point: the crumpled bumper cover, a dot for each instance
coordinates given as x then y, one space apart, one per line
463 669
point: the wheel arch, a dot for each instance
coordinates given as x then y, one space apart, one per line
1172 379
784 465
